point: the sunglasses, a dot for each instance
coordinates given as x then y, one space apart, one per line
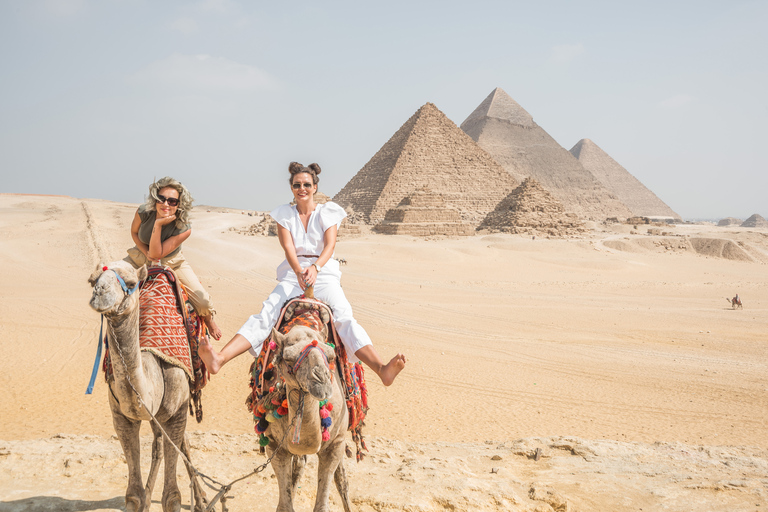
297 186
172 201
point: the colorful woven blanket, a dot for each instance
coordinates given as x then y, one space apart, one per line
170 329
316 315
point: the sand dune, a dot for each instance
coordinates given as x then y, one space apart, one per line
614 343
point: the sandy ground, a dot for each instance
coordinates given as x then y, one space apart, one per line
616 354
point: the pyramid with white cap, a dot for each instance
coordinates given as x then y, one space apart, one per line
638 198
428 152
508 132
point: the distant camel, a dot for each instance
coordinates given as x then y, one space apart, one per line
735 302
341 261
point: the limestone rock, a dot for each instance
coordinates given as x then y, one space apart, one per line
505 130
429 150
755 221
531 209
424 213
630 191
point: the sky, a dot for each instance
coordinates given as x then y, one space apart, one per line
100 97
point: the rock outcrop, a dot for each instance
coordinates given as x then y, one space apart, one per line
628 189
429 150
531 209
755 221
505 130
424 213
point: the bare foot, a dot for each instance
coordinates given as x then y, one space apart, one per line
209 356
213 329
390 370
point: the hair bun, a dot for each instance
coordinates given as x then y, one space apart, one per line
295 167
315 168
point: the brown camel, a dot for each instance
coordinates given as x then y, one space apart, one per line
307 383
735 302
141 381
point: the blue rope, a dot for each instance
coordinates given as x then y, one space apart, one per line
98 359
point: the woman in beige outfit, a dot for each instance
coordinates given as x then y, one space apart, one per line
159 228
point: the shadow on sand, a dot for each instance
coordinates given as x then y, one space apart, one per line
59 504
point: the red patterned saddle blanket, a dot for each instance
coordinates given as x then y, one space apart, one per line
169 328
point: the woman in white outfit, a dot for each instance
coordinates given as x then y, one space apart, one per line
307 232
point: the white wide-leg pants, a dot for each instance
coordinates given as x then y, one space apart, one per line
328 289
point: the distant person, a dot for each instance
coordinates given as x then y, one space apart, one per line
307 233
159 228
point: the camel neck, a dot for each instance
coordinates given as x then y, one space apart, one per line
125 355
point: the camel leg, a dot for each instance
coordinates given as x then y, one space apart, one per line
128 432
340 478
282 466
174 427
200 499
297 469
157 458
329 459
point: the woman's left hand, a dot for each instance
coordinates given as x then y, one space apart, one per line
309 275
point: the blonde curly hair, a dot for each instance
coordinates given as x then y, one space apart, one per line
185 198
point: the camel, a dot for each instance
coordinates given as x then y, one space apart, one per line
141 380
735 302
307 384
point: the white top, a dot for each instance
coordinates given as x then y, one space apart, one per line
310 241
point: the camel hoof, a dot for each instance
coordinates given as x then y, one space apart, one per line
133 504
172 502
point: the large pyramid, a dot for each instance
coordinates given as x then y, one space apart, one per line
505 130
428 151
640 200
531 209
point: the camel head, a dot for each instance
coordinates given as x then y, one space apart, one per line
303 365
109 297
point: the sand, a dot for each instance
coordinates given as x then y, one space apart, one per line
615 353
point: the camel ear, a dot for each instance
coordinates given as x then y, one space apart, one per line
142 273
96 274
278 338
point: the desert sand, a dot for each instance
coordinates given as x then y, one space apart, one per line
616 354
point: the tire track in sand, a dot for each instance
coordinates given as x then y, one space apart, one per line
96 245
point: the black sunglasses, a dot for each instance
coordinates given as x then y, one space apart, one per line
172 201
297 186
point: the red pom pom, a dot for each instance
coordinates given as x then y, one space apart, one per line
285 403
326 435
329 406
104 268
272 389
314 343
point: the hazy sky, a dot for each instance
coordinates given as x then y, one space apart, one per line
98 97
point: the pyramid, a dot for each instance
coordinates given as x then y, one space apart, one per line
730 221
639 199
505 130
755 221
531 209
424 213
430 151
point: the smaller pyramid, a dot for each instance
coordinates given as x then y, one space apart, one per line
755 221
730 221
424 213
638 198
531 209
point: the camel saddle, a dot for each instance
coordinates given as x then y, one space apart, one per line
170 329
316 315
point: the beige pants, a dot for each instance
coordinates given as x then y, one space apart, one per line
198 296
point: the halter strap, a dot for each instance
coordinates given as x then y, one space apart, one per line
123 285
305 352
